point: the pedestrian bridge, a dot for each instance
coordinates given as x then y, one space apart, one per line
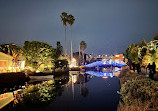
105 63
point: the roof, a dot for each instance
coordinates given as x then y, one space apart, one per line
6 54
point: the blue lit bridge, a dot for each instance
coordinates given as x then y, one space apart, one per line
104 63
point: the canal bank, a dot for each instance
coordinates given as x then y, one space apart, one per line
138 92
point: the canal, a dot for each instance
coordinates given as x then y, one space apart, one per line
86 92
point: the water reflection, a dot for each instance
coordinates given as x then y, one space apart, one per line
89 91
101 74
82 78
79 78
85 91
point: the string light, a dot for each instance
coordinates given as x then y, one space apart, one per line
152 46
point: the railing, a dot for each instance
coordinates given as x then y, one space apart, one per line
99 63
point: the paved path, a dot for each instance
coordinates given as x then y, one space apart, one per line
5 99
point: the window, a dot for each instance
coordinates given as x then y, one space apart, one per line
117 55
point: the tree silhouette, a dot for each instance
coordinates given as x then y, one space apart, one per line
71 20
64 19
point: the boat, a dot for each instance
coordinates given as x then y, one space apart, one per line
41 78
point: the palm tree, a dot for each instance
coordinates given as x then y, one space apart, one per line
64 19
71 20
16 52
83 46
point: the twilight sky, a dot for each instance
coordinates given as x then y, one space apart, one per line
106 26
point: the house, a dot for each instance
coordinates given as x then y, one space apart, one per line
119 58
87 58
6 62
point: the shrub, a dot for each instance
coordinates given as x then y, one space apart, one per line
134 107
126 75
125 71
140 93
155 77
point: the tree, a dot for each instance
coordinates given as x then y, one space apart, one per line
147 59
16 52
143 48
58 50
5 49
71 20
155 37
128 50
143 43
37 53
83 46
60 64
134 54
64 19
131 53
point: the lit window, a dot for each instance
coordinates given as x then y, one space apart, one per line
117 55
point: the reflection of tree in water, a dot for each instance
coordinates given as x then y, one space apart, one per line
59 82
84 91
80 79
83 80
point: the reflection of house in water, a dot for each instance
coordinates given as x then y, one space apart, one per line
80 78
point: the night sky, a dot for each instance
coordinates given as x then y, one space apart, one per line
106 26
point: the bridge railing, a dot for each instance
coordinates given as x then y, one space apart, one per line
100 63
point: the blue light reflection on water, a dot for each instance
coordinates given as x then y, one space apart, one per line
100 74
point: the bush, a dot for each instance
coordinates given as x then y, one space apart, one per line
61 64
28 71
126 75
155 77
142 93
61 71
125 71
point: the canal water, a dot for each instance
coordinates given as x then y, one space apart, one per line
88 91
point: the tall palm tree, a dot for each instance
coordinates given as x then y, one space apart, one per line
83 46
71 20
64 19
